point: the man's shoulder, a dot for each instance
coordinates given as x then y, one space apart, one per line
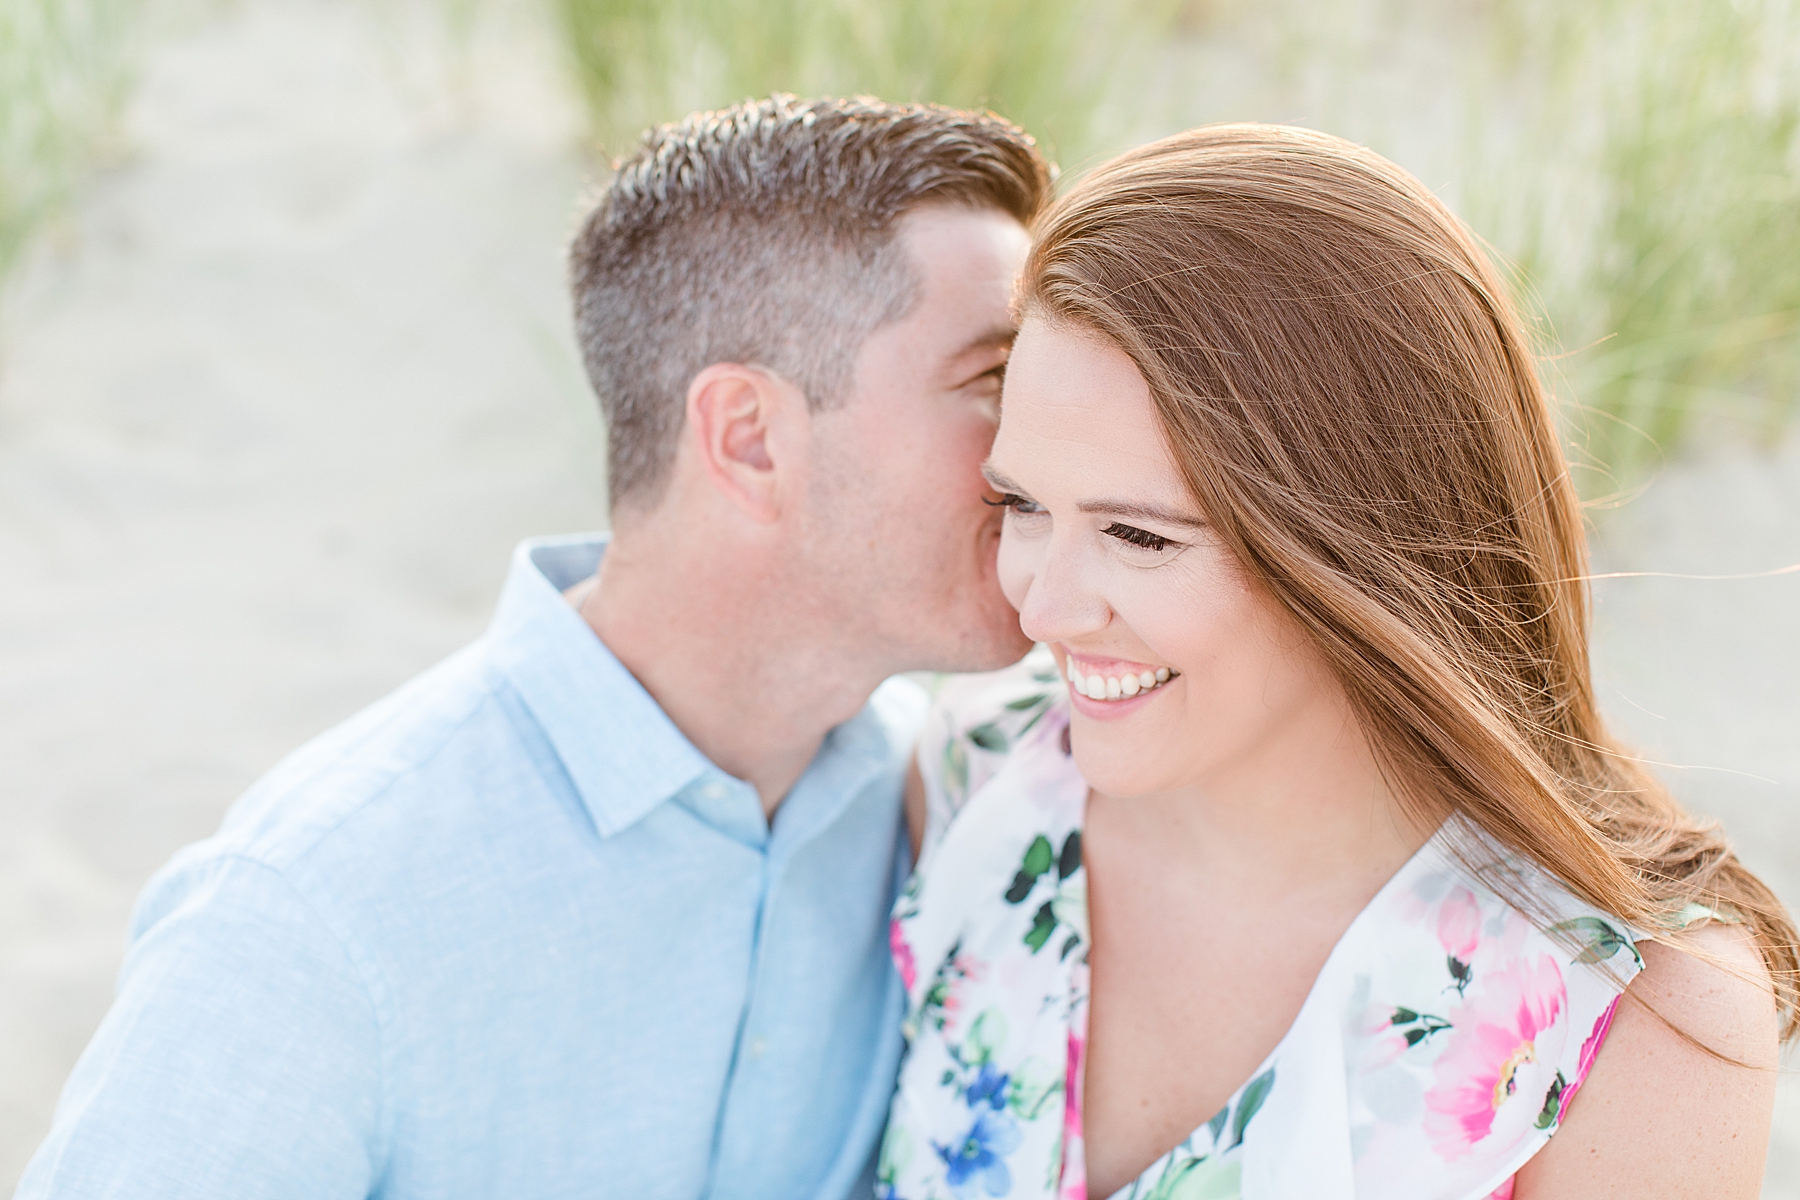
391 781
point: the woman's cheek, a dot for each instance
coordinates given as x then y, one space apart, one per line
1015 567
1176 611
1157 609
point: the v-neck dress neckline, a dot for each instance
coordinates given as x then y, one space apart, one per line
1435 1052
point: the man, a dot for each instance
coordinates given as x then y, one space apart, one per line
598 906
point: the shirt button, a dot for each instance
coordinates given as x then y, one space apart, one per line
713 791
758 1047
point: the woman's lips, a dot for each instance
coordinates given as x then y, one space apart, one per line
1107 688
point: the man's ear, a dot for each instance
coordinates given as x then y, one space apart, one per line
740 419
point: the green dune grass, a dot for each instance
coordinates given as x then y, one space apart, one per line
1634 163
1652 206
1045 63
62 79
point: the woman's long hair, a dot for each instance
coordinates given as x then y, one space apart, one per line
1351 397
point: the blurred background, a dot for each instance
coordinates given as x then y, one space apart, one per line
286 370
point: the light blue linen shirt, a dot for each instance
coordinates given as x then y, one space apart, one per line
509 934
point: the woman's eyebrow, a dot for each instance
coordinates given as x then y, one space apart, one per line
1142 512
998 481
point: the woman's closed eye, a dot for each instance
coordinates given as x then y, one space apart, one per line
1142 538
1015 502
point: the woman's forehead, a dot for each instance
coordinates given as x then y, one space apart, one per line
1074 403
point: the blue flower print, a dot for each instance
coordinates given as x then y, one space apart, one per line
976 1159
989 1087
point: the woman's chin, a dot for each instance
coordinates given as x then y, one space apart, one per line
1115 767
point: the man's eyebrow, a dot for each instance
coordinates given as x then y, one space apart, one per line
988 339
1141 512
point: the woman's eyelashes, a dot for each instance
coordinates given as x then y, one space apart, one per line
1143 538
1153 545
1015 502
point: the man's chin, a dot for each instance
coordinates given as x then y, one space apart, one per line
1000 647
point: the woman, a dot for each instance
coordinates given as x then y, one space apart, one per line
1302 865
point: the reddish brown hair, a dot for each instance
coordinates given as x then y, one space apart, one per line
1353 402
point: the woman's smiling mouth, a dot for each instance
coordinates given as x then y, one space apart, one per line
1107 680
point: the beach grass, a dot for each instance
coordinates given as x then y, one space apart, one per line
1046 64
1655 216
63 78
1634 163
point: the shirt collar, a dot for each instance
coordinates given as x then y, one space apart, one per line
622 752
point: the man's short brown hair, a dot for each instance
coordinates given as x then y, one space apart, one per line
765 233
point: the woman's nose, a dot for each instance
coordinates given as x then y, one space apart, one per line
1061 603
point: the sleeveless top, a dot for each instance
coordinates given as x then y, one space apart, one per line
1436 1052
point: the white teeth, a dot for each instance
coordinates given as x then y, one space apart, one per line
1100 687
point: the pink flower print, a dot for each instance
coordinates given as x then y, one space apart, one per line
1072 1184
969 967
1376 1038
965 969
1459 924
1590 1050
951 1011
1492 1056
903 954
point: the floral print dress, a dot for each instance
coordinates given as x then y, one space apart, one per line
1437 1051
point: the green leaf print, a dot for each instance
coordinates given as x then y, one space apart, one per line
1553 1102
1038 857
1423 1025
896 1153
956 768
989 737
1216 1126
1069 904
1069 861
1031 1089
1025 702
1200 1179
1255 1092
1598 940
1043 924
986 1035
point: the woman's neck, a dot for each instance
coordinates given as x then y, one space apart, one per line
1310 811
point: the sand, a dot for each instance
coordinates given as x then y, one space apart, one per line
271 422
278 401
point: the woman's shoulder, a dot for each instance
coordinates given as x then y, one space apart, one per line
1681 1095
1475 995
